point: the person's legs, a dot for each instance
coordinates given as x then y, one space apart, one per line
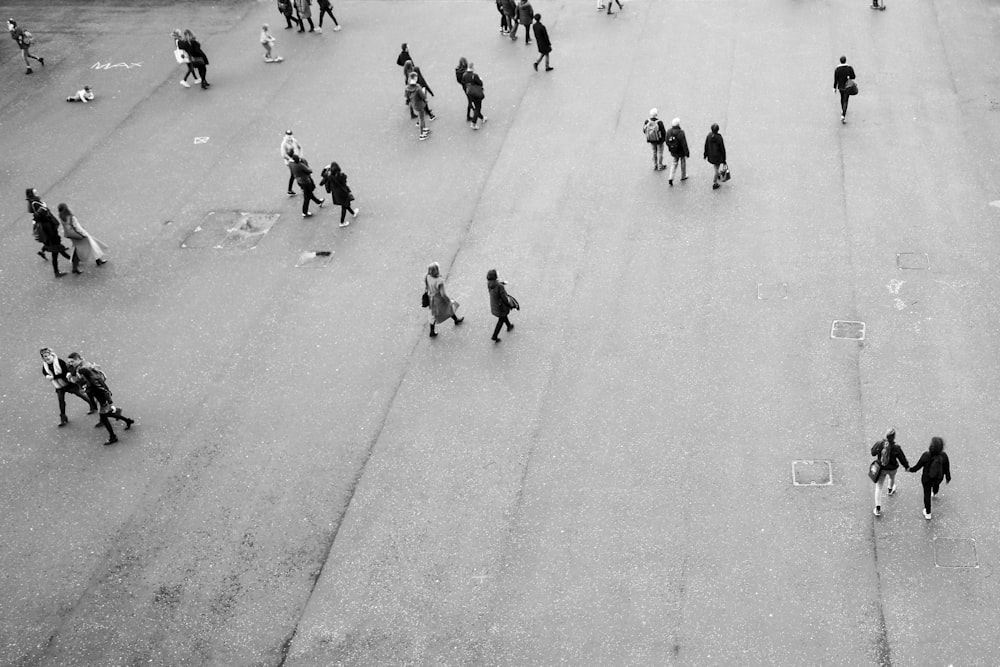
927 497
267 50
547 65
106 423
673 169
527 34
75 261
879 485
61 398
76 391
307 196
423 123
844 99
891 485
203 75
190 72
496 329
55 262
715 177
312 26
291 181
684 168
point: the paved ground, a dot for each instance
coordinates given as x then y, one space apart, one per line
313 481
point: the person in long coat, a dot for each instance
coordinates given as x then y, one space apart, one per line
335 182
55 371
441 306
525 14
304 8
499 303
543 43
85 246
48 230
715 152
90 376
936 468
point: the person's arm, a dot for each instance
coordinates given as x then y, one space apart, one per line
947 468
902 458
920 463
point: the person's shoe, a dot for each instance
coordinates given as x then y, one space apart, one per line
934 494
60 274
28 71
356 211
336 28
91 411
433 334
321 202
417 123
184 83
496 339
205 85
291 194
877 511
843 119
128 423
459 321
535 65
549 69
112 440
715 186
41 253
432 116
345 223
892 490
197 79
510 328
98 425
319 30
102 262
684 178
423 136
927 515
307 215
527 41
42 60
77 271
63 420
484 119
671 182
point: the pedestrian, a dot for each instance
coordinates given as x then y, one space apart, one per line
304 9
335 182
183 55
441 307
655 135
463 66
678 146
936 467
475 93
286 9
510 13
416 96
267 41
410 68
290 148
85 246
24 40
499 303
303 176
198 58
96 382
843 80
876 5
326 8
600 7
404 55
525 14
503 18
890 456
544 45
715 152
56 370
46 230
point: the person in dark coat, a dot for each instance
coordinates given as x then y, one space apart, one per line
715 152
326 8
335 182
891 455
499 303
474 91
510 13
287 10
303 176
408 69
678 146
934 462
404 55
24 40
198 58
504 28
460 70
48 230
525 14
544 45
55 371
841 74
90 376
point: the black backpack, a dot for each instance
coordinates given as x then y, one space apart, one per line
672 141
935 467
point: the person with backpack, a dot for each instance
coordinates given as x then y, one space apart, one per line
55 371
24 40
890 456
499 303
416 97
715 153
655 133
474 91
46 230
678 146
96 382
934 462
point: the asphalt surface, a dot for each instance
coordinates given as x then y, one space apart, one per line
314 481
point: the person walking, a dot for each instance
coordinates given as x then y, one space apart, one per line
441 306
890 456
290 148
503 18
46 230
678 146
326 8
417 98
475 92
55 371
715 152
303 176
85 246
843 76
543 43
499 303
335 182
304 9
96 382
460 70
286 9
936 467
182 50
408 69
198 58
510 13
656 134
24 40
610 2
404 55
525 15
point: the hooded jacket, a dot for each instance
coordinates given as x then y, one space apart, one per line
680 147
499 303
935 451
416 96
715 148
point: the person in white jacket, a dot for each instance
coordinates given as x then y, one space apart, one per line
290 146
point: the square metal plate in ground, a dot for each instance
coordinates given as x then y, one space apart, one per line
913 260
812 473
848 329
314 259
767 291
955 552
241 230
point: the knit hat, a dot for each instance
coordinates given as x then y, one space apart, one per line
653 113
491 274
677 122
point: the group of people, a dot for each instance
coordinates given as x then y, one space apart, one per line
442 307
298 12
188 52
675 141
46 227
889 455
333 180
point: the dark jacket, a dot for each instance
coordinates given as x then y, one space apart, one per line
302 173
47 224
336 185
841 75
680 147
194 50
499 303
925 463
459 73
525 14
509 8
95 385
416 96
542 38
403 56
715 148
49 371
663 129
896 455
473 85
420 80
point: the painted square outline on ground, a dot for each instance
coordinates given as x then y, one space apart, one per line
957 550
848 329
314 259
767 291
807 469
916 261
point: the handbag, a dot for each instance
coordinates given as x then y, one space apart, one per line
425 301
875 470
181 56
724 174
513 303
851 87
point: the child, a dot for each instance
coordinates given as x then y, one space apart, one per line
85 95
266 40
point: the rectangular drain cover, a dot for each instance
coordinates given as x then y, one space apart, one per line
811 473
767 291
848 329
240 230
912 260
955 552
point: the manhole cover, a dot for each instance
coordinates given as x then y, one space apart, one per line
240 230
811 473
848 329
955 552
314 259
912 260
767 291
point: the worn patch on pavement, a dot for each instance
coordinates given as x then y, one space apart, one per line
767 291
314 259
848 329
912 260
955 552
811 473
240 230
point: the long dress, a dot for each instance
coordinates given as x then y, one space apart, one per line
86 247
441 307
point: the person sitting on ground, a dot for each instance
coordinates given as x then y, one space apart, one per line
84 95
